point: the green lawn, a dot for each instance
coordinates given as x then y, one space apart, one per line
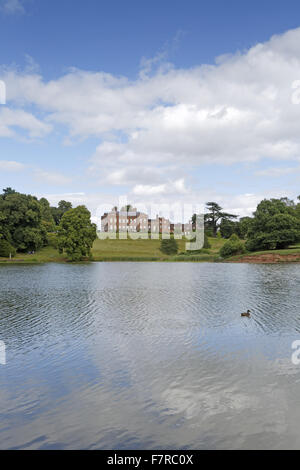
130 250
44 255
123 250
139 250
294 249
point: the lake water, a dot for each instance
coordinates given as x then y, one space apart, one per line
149 356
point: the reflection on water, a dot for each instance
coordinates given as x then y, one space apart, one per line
149 355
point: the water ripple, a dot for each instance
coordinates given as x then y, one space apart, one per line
149 355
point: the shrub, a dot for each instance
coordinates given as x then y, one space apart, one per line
233 246
6 249
169 247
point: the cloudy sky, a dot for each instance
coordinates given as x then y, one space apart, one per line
173 101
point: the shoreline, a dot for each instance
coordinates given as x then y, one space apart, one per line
263 258
267 258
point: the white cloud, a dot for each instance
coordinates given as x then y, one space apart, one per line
148 190
7 165
10 119
237 110
176 187
155 130
50 177
12 7
243 204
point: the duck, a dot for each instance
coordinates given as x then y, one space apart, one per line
246 314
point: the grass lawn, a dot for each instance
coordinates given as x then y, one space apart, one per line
287 251
123 250
292 250
44 255
141 250
148 250
111 250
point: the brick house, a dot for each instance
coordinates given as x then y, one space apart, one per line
134 221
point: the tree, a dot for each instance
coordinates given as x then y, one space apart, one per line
76 233
274 226
6 249
244 226
21 221
228 228
58 212
214 216
47 217
297 208
169 246
7 191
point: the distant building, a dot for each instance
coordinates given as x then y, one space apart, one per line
135 221
159 225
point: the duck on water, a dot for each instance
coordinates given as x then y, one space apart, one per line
246 314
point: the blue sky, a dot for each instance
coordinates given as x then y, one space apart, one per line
160 101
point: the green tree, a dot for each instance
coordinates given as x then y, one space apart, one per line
76 233
21 221
169 246
6 249
58 212
297 208
214 216
228 228
47 217
274 226
8 191
244 226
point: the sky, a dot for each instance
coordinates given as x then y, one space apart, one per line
157 102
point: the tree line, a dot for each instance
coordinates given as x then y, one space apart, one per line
28 224
274 225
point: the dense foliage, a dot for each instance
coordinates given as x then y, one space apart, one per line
27 223
58 212
275 225
233 246
6 249
76 233
21 221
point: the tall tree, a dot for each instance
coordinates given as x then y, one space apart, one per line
215 215
76 233
47 217
58 212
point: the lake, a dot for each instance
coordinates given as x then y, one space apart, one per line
149 356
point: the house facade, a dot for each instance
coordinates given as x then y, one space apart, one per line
135 221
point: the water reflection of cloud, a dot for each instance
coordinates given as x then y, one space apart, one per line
197 403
